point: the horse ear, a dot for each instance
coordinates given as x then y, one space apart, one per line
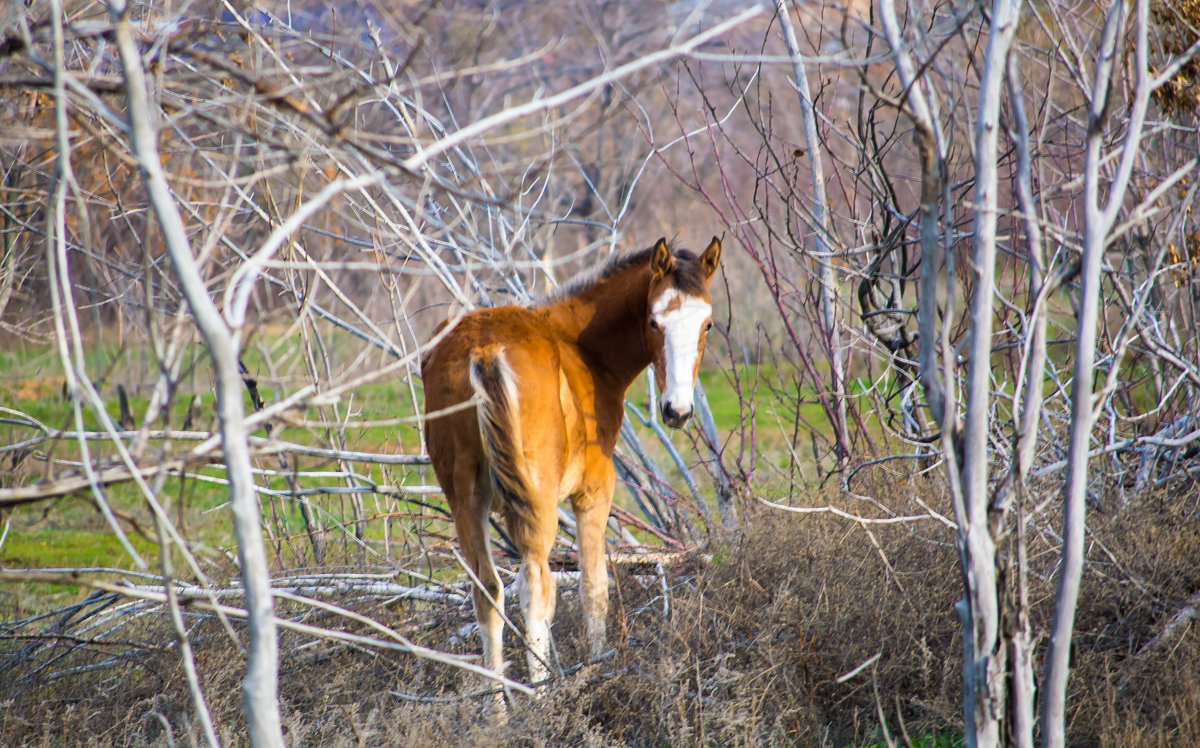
711 257
662 261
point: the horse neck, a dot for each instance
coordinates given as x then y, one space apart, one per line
607 323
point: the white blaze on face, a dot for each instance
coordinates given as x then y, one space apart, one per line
681 319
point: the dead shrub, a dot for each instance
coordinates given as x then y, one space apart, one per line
749 651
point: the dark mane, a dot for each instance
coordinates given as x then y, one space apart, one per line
688 276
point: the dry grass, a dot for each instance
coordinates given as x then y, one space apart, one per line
748 654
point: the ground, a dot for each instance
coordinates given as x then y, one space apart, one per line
748 647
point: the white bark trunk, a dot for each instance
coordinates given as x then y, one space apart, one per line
1019 639
829 322
985 689
938 384
984 660
259 696
1098 223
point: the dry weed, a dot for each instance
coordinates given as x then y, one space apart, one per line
749 652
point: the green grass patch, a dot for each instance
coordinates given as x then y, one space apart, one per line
378 416
61 547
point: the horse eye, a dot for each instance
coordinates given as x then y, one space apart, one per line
653 324
708 327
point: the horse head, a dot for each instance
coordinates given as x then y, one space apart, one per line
680 315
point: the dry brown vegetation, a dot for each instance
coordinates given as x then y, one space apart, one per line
749 653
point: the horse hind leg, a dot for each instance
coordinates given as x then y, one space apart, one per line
487 592
534 535
530 504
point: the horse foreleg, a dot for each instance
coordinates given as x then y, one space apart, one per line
591 515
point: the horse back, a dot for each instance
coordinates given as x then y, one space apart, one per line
519 334
548 426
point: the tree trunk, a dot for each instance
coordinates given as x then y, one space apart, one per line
830 331
259 690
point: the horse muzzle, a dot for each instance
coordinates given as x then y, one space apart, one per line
673 417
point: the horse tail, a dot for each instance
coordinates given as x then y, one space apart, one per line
495 386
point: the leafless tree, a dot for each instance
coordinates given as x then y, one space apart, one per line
961 256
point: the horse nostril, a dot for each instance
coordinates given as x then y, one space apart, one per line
675 418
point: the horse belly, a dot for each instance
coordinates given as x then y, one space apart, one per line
575 427
573 465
